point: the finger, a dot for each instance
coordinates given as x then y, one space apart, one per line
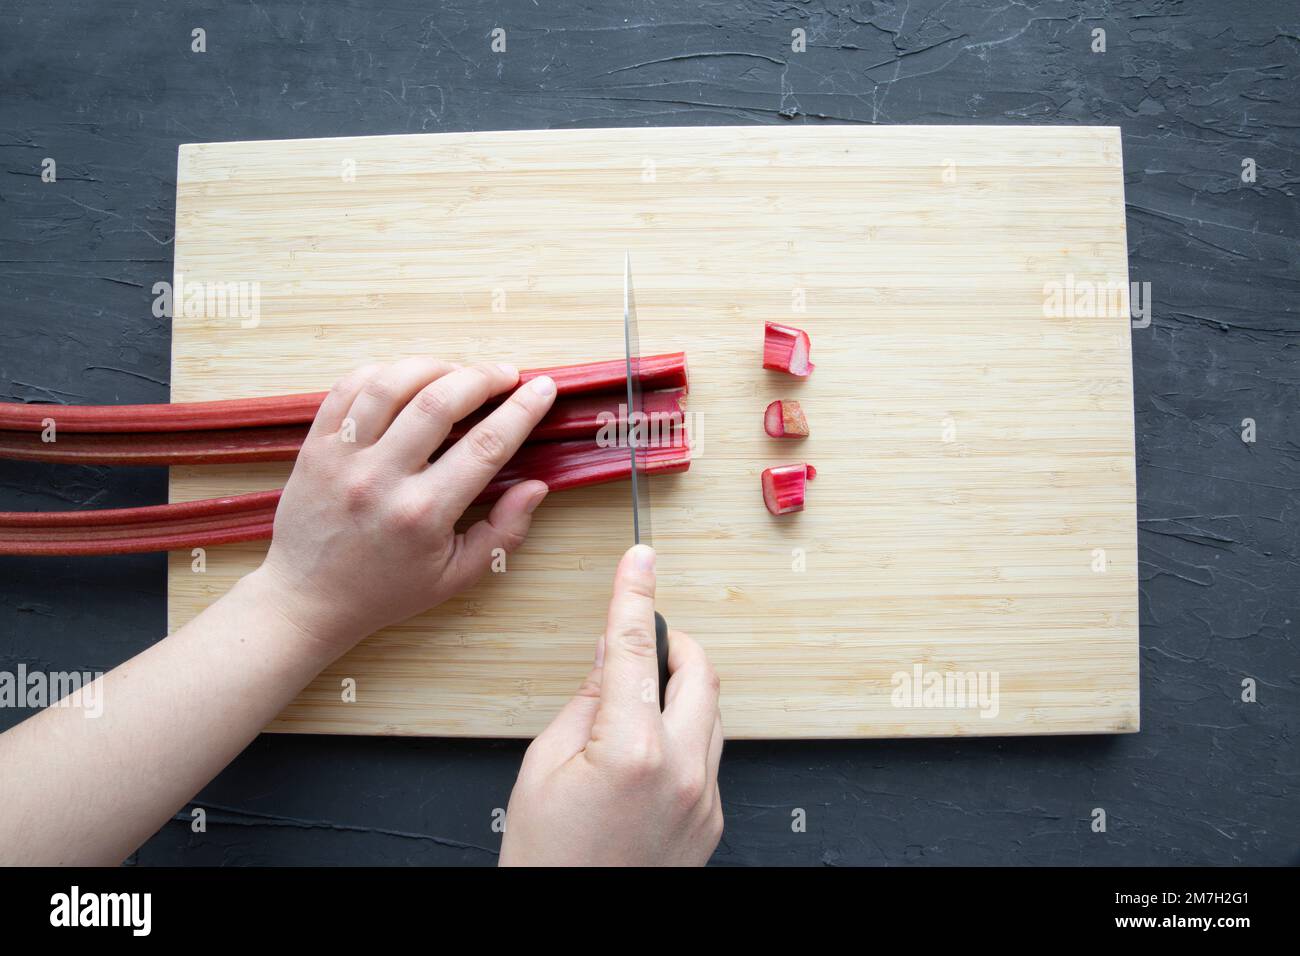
427 419
386 393
568 734
464 469
501 532
339 399
691 702
629 692
715 754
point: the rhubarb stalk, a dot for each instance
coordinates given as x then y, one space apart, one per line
216 446
564 451
584 416
572 417
168 527
147 538
562 465
177 511
655 372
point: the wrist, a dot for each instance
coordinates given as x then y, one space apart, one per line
308 631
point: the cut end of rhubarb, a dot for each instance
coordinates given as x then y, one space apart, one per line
784 418
786 349
783 487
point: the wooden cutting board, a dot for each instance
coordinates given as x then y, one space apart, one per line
974 510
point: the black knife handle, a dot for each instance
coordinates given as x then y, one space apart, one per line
661 653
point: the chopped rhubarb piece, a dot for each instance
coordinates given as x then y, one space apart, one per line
784 418
783 487
785 349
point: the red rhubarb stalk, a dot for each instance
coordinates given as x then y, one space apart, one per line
176 417
656 372
250 517
585 416
784 418
564 465
653 371
572 417
143 529
783 487
218 446
177 511
785 349
160 539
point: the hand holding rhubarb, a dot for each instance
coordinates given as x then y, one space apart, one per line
237 431
364 532
565 450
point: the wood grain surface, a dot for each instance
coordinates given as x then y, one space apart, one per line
975 455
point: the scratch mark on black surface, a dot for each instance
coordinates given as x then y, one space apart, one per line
906 53
235 816
54 396
142 375
684 57
1205 538
63 178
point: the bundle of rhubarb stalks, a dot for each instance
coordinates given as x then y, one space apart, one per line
581 441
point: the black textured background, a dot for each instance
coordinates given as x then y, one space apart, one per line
109 88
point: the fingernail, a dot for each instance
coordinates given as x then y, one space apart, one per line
644 558
509 369
536 499
543 385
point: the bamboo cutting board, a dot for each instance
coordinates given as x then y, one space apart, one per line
974 510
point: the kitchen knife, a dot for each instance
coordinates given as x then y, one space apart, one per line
637 436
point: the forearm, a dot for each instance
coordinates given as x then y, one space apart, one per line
83 790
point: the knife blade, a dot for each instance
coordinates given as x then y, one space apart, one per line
638 436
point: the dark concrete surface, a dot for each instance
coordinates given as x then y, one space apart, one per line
110 88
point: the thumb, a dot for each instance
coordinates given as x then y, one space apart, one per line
505 527
629 684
